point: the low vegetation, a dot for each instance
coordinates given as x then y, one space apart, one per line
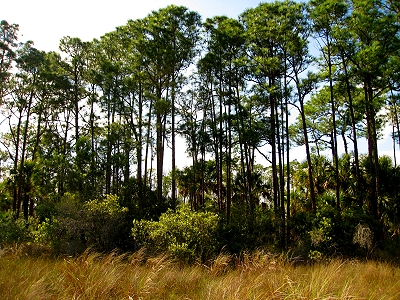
257 276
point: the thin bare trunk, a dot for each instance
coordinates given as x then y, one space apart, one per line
358 191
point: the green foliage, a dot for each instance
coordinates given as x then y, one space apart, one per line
186 235
142 202
250 230
99 224
13 231
329 232
8 44
105 222
5 197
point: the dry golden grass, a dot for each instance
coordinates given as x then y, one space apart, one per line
256 276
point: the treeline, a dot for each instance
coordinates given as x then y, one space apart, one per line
85 131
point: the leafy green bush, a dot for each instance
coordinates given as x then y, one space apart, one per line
13 231
97 223
348 231
104 222
185 234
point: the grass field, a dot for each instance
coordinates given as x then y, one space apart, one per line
257 276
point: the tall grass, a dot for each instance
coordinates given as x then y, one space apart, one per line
256 276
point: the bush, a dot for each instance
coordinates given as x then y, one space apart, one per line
76 226
185 234
105 222
13 231
328 232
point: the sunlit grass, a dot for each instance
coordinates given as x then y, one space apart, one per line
257 276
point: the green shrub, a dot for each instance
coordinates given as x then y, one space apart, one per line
13 231
104 222
348 231
99 224
186 235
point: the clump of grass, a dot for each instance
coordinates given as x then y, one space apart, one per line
257 275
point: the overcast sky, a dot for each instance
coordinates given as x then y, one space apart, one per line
45 22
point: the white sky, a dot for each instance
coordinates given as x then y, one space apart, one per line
45 22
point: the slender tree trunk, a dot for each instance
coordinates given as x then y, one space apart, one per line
308 152
281 178
288 175
147 178
108 151
159 152
159 145
63 151
287 140
358 190
139 146
275 184
228 167
203 157
396 125
193 140
334 134
38 135
25 178
16 199
173 171
243 150
34 152
394 144
372 150
220 144
151 168
76 104
93 166
346 150
127 148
